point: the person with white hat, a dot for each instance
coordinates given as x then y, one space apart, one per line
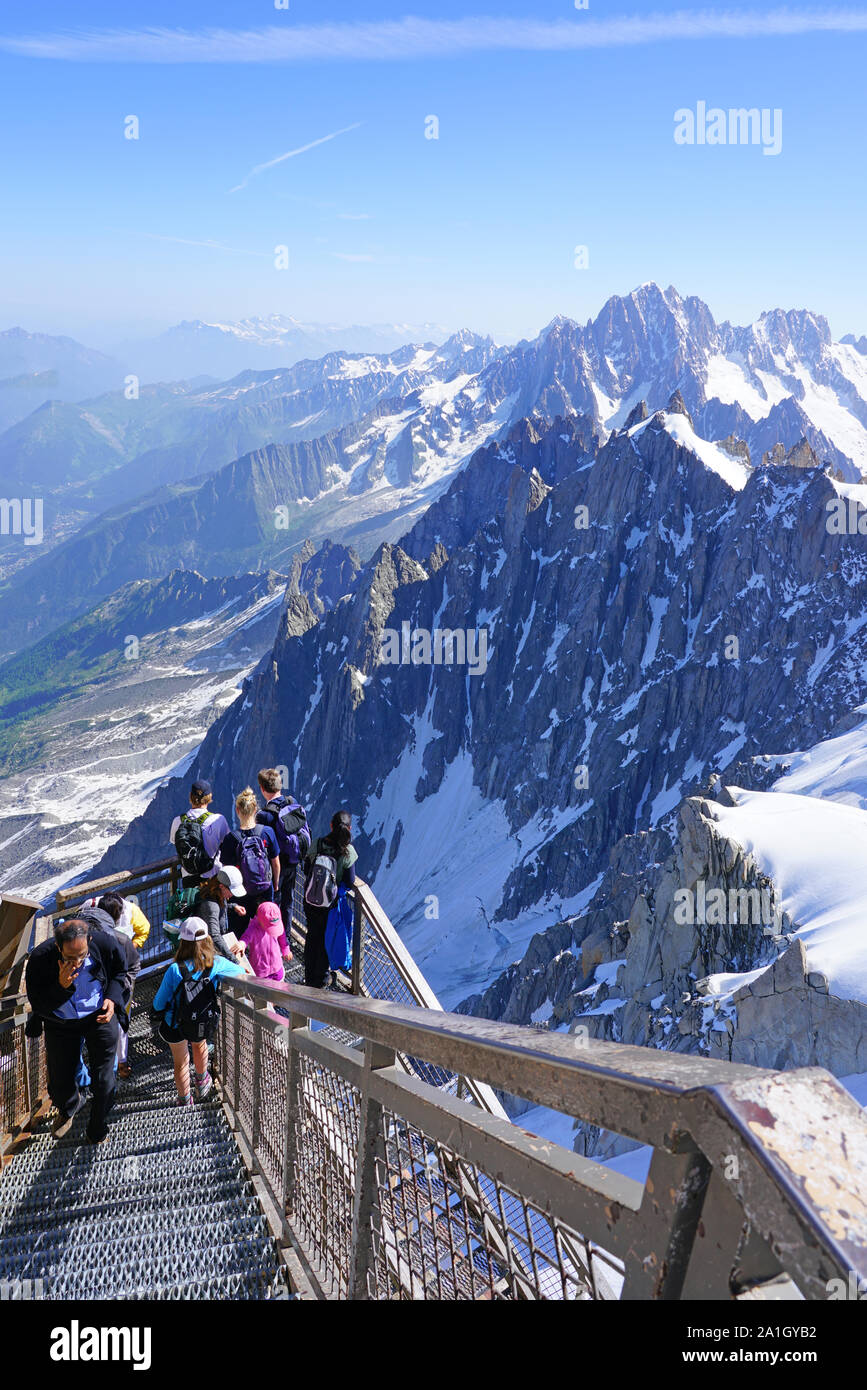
189 1015
215 900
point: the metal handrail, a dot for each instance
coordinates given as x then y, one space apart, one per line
23 1077
754 1172
785 1152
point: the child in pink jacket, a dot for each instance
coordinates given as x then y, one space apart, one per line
267 948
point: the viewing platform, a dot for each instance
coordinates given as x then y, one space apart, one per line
355 1147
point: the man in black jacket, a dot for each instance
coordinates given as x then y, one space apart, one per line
77 985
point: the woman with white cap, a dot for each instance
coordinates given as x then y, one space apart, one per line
194 959
216 899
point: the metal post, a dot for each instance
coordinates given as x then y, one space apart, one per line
675 1191
25 1048
290 1144
727 1253
224 1061
257 1075
237 1089
365 1206
357 928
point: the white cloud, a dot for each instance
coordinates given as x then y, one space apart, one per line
378 40
290 154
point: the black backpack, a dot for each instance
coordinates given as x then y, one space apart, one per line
195 1007
190 846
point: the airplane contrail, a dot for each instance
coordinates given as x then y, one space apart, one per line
290 154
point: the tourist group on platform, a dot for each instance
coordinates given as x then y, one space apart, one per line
231 915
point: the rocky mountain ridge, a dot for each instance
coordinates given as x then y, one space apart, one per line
697 607
357 447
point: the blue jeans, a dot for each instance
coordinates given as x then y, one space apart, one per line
82 1076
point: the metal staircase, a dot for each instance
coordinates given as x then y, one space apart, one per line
164 1208
355 1148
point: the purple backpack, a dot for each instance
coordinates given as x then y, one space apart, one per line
254 863
288 819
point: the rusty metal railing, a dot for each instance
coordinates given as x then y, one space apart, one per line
387 1187
23 1078
150 887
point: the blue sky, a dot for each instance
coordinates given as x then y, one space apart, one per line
543 145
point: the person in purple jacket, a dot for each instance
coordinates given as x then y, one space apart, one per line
253 850
215 828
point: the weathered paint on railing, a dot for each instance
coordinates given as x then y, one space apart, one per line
795 1206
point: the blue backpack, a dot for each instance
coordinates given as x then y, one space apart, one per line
254 864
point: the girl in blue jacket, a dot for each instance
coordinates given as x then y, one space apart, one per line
195 949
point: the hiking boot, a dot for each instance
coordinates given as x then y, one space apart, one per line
63 1124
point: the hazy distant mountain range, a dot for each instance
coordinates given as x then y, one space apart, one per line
356 446
221 350
38 367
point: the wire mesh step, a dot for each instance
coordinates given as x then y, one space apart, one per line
135 1139
114 1170
225 1200
90 1266
189 1175
164 1109
167 1227
246 1285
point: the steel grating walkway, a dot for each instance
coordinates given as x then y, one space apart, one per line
162 1209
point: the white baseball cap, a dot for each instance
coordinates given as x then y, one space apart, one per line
193 929
230 877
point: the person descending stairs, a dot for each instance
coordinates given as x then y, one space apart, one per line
162 1209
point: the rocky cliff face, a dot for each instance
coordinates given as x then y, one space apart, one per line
654 612
697 953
